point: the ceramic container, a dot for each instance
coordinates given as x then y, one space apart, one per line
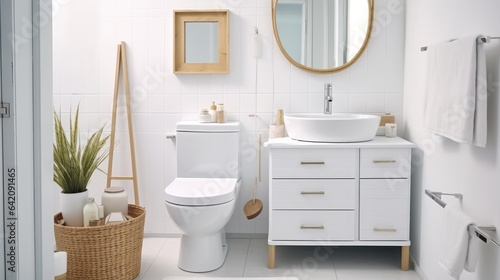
114 199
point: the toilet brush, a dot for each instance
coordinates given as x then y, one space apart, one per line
254 206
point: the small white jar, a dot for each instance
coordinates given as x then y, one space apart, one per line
204 116
114 199
391 130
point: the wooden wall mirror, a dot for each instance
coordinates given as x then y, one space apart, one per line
322 36
201 41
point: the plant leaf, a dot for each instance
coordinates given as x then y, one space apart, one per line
74 163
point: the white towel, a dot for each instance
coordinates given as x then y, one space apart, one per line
460 248
480 120
456 93
60 263
472 251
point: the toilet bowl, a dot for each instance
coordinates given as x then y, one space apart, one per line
201 207
201 200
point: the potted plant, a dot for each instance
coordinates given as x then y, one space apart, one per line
74 164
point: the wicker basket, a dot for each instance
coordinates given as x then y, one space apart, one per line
103 252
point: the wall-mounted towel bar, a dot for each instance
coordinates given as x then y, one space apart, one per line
436 196
479 230
480 40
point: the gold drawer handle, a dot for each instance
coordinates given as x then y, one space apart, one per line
306 193
311 162
312 227
385 229
384 161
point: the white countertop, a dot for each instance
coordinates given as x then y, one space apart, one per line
377 142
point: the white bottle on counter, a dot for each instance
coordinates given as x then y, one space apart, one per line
213 112
90 212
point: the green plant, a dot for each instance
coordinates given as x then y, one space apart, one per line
74 163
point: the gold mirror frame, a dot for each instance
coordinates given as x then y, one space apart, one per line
180 20
326 70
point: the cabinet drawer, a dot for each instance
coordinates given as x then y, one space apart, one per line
384 209
314 193
314 163
384 228
385 163
312 225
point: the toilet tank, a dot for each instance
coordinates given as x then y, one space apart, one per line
208 150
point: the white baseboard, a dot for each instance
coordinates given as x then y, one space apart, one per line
228 235
417 269
162 235
246 235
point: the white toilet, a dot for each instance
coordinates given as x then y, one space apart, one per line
202 198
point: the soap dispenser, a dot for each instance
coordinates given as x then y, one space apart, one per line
213 112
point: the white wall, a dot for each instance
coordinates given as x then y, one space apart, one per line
85 38
443 165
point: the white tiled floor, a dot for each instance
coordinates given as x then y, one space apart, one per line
248 258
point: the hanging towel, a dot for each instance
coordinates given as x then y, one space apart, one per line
460 248
456 92
472 251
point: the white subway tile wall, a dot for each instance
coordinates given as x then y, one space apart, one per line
85 38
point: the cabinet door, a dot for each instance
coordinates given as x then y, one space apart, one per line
384 209
314 163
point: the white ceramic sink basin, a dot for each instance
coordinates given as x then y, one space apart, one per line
317 127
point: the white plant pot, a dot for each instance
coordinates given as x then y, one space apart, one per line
72 207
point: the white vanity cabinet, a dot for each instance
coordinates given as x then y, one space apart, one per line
339 194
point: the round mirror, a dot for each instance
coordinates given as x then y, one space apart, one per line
322 35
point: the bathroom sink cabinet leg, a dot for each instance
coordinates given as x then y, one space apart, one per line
405 258
340 194
271 256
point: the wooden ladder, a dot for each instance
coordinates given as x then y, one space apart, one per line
121 59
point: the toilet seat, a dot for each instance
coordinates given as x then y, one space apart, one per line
201 191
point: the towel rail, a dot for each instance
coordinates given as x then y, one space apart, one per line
479 230
480 40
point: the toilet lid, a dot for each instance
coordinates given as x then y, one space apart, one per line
196 126
200 191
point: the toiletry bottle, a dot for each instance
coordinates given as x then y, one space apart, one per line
101 215
278 130
280 117
213 112
220 113
90 212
